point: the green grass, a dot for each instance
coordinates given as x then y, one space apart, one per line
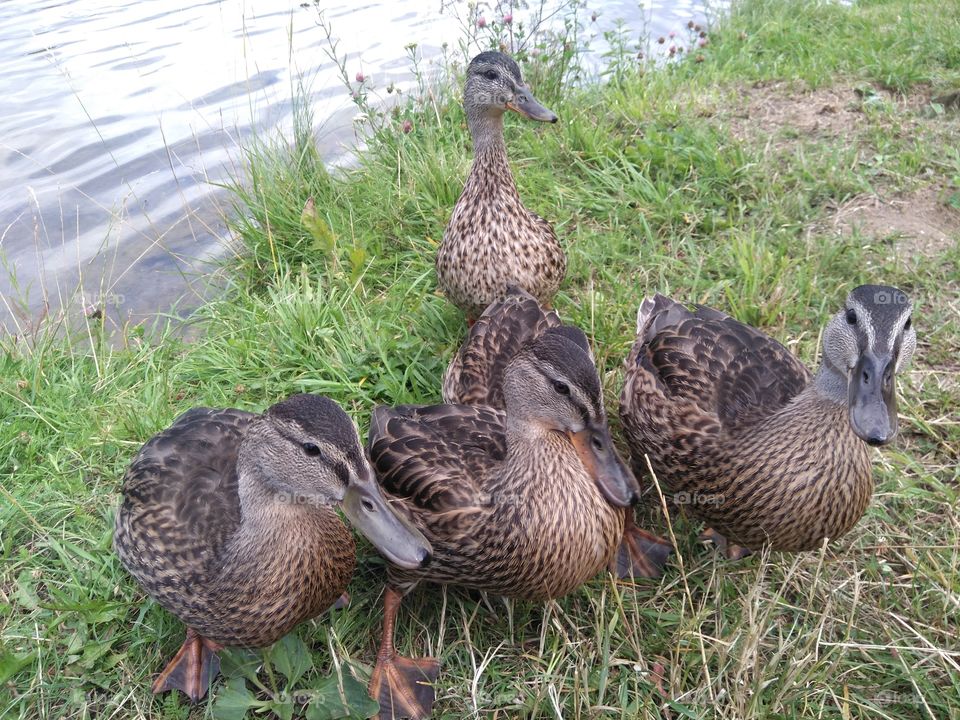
651 190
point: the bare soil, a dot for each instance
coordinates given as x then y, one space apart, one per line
782 115
918 222
788 112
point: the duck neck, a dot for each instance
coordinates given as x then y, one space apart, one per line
830 385
486 129
528 445
254 482
490 172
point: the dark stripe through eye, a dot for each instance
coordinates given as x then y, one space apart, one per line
342 472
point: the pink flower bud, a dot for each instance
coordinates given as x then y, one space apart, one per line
661 39
702 42
406 127
360 77
481 22
507 19
593 17
672 34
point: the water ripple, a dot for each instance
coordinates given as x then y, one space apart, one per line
119 115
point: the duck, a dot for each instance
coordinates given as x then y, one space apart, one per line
514 480
492 241
228 522
739 432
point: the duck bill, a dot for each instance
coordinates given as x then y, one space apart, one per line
873 400
603 464
394 537
524 103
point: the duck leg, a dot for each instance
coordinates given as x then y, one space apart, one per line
192 669
731 551
402 686
640 554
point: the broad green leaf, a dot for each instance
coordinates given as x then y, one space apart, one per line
233 700
282 708
25 593
358 699
236 662
290 658
358 260
323 237
327 702
10 663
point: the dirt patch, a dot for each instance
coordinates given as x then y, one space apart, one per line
918 222
787 112
783 115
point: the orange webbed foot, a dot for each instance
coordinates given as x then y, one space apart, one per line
192 669
731 551
404 686
640 554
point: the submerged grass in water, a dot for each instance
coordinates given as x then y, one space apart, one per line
703 180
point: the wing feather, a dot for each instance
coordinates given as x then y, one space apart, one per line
730 370
475 374
183 484
435 460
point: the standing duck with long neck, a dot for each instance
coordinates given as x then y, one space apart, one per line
492 240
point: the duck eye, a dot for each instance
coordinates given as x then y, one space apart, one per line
561 387
851 316
908 323
491 75
310 449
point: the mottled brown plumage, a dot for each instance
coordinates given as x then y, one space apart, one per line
520 493
475 375
740 432
492 241
529 524
227 521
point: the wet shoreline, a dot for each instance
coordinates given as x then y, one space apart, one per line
117 143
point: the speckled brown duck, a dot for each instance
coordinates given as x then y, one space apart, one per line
492 240
514 481
764 452
228 522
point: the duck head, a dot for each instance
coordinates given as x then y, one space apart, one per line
307 450
494 85
552 383
868 342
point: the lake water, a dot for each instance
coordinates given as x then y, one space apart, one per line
118 117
